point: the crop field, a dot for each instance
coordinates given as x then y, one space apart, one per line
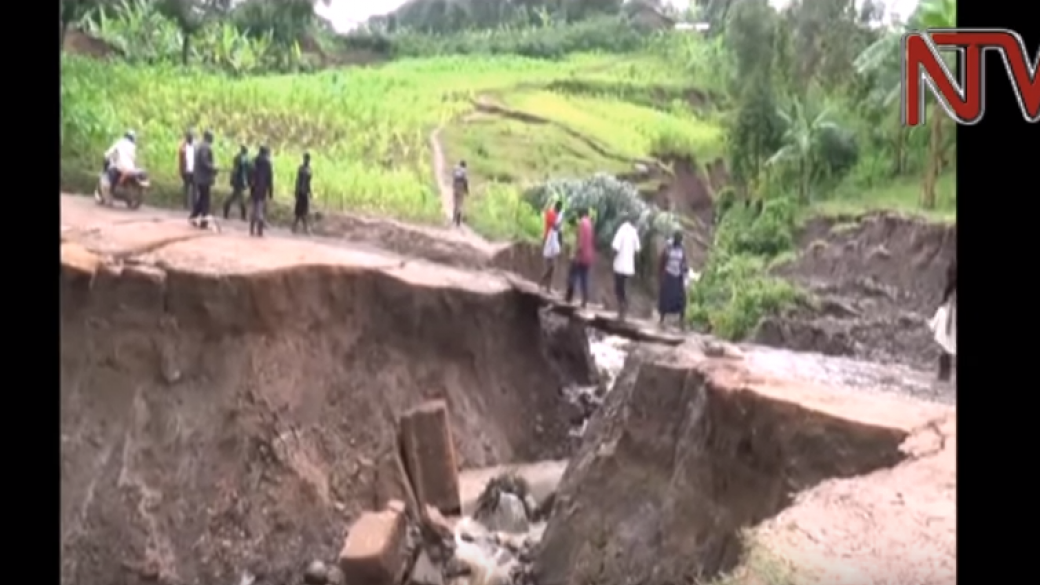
368 129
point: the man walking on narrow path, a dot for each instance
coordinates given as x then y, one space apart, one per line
584 256
261 189
460 189
186 166
626 246
239 183
205 176
303 195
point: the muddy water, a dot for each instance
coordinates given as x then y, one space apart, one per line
842 373
608 355
493 556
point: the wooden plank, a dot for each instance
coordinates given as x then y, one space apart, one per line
599 317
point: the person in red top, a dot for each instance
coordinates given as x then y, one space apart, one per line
551 238
584 256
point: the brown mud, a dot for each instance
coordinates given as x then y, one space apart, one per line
878 279
228 404
689 452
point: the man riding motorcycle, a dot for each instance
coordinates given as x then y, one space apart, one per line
121 158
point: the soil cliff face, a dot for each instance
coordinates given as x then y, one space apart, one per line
214 426
687 451
879 279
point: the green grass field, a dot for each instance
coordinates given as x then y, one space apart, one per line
368 128
902 196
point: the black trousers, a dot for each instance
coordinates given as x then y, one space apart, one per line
578 276
189 190
201 208
621 289
238 195
945 367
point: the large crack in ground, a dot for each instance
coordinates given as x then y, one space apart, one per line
255 412
688 452
228 416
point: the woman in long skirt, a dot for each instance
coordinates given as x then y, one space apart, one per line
671 298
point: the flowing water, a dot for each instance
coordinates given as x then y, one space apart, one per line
494 557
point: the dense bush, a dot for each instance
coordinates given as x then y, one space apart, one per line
142 34
610 201
735 290
548 41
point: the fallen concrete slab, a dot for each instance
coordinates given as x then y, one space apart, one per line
690 451
429 454
374 551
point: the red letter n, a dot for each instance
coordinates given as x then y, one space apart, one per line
922 64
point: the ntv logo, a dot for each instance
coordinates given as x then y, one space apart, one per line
965 100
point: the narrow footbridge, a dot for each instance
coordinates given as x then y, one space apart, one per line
598 317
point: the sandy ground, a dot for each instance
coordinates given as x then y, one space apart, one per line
892 526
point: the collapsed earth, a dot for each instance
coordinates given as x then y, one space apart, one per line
543 293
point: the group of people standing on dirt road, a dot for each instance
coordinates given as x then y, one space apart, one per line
198 171
673 270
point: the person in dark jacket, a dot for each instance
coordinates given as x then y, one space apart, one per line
239 183
460 189
261 189
205 176
949 298
303 195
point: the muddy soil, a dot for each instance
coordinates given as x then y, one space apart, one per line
226 410
878 279
717 446
687 189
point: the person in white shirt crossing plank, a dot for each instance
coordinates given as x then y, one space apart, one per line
626 247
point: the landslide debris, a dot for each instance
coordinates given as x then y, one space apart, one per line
877 279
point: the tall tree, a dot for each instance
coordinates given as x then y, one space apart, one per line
929 14
190 16
72 11
805 128
750 34
287 21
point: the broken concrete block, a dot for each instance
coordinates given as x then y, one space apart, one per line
374 551
429 454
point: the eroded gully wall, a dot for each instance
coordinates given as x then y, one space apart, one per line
675 464
216 426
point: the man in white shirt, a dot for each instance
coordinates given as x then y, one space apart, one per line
122 157
186 167
626 246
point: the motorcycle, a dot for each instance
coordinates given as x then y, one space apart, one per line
129 188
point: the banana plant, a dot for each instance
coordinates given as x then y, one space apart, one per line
881 59
804 129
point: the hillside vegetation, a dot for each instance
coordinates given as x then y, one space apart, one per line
797 105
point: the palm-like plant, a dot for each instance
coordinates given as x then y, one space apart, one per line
804 129
881 58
